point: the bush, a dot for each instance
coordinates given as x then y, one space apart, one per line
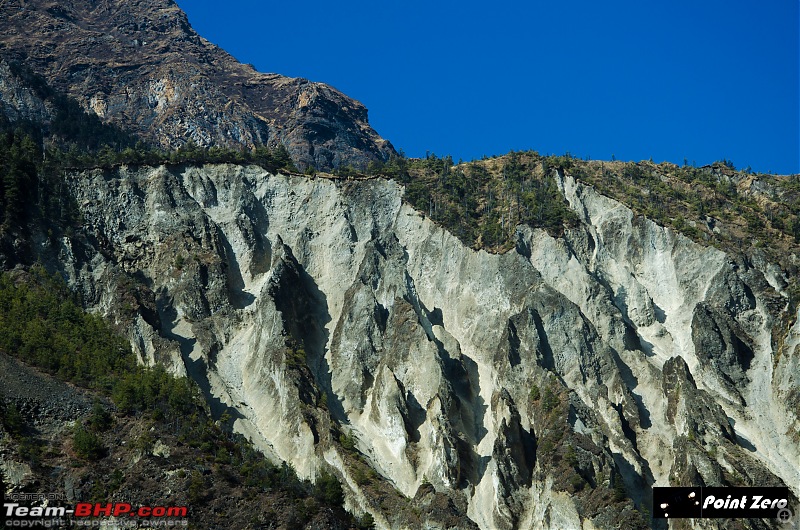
12 419
328 490
101 419
348 442
546 446
87 445
363 475
620 493
30 450
570 457
576 482
197 489
295 355
550 400
366 522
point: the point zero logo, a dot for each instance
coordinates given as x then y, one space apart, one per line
717 502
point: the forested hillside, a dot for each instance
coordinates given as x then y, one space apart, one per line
117 446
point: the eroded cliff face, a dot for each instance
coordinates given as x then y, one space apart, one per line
496 391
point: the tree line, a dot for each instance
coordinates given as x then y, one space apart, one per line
482 202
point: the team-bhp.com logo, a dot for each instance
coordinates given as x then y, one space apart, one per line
94 514
120 509
696 503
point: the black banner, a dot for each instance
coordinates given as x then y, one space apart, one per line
714 503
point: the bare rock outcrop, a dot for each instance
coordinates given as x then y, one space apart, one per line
550 388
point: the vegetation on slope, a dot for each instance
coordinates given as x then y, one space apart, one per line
33 190
568 458
143 155
34 198
35 155
482 202
754 216
43 326
714 204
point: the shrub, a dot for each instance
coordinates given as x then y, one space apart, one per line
328 490
620 493
12 419
101 419
366 522
30 449
570 457
87 445
348 442
550 400
364 475
197 489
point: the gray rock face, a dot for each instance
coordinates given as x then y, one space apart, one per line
18 102
141 66
511 391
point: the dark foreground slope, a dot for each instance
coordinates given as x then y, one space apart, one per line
80 420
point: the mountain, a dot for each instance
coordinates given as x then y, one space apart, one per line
517 342
548 386
141 66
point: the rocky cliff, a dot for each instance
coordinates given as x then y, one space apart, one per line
141 66
551 386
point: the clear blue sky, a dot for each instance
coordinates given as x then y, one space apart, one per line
702 80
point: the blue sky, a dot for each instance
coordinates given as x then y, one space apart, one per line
639 79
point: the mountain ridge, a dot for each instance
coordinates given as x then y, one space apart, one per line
427 352
141 65
342 329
